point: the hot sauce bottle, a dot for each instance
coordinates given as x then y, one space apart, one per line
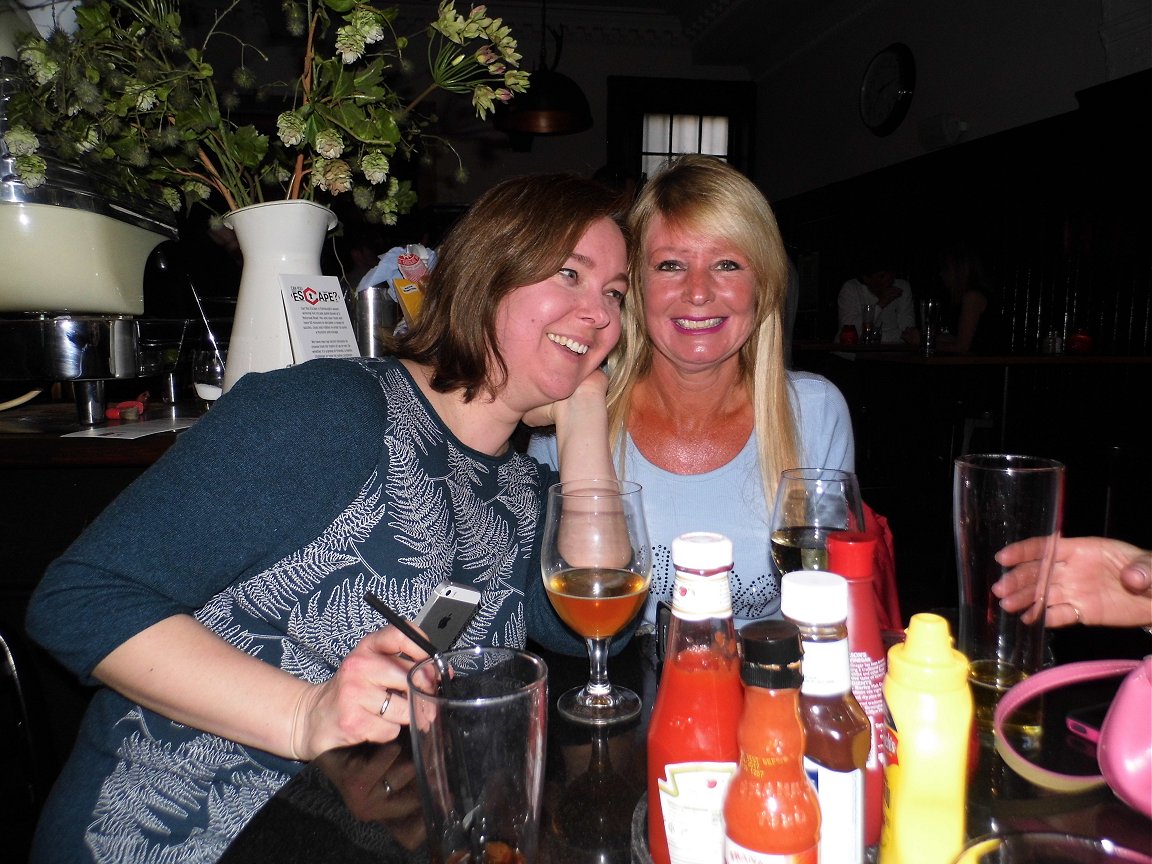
850 554
692 748
771 815
836 729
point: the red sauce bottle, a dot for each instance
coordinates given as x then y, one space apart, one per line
771 815
692 748
851 554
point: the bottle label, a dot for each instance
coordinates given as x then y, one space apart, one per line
692 802
826 668
891 740
697 596
734 853
841 796
868 688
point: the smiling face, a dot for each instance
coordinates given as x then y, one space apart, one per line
699 297
554 333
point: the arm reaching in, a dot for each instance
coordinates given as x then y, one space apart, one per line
179 668
1095 580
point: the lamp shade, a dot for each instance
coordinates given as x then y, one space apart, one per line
553 105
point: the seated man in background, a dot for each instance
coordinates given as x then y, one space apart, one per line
877 285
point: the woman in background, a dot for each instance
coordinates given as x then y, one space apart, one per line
973 300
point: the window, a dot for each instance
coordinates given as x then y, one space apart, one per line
667 135
651 119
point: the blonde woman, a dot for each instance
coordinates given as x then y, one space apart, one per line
702 411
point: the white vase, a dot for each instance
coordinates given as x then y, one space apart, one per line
275 238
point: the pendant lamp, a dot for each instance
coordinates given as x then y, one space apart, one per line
554 103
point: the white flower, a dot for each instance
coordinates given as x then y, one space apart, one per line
21 141
290 128
329 144
349 44
375 167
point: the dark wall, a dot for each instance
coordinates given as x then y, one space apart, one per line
1058 209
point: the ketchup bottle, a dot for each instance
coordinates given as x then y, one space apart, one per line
850 554
836 729
692 748
771 815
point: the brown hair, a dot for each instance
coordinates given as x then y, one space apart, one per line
518 233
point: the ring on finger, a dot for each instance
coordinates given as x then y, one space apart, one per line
388 694
387 786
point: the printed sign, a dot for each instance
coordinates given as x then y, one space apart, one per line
318 320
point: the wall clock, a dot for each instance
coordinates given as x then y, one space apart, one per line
886 89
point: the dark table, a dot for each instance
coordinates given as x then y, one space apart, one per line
336 810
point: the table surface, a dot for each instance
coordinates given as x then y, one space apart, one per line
336 810
33 436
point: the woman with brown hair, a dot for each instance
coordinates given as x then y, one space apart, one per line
218 600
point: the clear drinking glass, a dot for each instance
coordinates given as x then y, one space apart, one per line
810 504
596 563
1046 848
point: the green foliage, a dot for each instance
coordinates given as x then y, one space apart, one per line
127 97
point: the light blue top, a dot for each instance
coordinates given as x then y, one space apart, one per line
730 499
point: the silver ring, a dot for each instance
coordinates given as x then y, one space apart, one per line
388 694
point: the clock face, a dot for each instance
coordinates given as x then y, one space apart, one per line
886 89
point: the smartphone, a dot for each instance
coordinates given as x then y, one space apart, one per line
447 612
1085 722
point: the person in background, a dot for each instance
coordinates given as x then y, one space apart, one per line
1096 581
973 301
877 285
219 599
703 413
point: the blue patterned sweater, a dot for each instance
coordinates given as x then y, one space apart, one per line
267 521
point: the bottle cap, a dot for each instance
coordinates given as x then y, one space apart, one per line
702 551
850 553
772 652
814 597
926 659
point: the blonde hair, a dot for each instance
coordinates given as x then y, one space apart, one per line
707 196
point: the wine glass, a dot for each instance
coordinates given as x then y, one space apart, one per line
810 504
208 360
596 562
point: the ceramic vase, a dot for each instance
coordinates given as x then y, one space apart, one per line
275 238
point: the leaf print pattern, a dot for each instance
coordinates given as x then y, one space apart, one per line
157 783
430 509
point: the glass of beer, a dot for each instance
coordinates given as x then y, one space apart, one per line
596 562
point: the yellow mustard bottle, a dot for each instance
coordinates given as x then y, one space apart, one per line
927 727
